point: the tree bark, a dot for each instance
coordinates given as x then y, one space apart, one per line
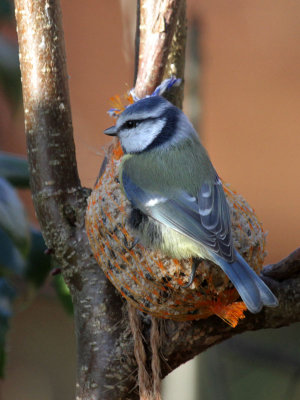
60 204
158 21
106 364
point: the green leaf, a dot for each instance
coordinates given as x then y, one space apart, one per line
14 169
13 219
63 293
38 263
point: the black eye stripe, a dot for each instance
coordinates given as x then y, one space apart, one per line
131 124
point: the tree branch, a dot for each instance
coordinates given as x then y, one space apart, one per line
286 268
158 20
60 202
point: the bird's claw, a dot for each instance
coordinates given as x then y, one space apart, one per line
193 273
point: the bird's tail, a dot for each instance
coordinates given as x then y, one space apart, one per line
254 292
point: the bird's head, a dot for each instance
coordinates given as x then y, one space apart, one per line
150 123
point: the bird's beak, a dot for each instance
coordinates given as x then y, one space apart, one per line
112 131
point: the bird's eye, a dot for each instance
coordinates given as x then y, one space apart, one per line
131 124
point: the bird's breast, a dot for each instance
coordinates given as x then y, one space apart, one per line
157 236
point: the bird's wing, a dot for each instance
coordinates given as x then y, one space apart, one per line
204 218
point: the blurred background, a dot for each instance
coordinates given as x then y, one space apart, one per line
243 95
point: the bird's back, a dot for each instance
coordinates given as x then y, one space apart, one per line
179 167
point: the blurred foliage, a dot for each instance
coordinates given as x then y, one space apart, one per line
39 263
6 9
23 253
10 78
24 261
262 365
14 169
63 293
7 294
10 75
13 218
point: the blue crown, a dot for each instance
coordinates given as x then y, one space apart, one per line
133 98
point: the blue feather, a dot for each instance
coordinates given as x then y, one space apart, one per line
254 292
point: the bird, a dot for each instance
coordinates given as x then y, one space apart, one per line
177 201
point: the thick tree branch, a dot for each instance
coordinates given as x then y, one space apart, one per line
51 149
60 203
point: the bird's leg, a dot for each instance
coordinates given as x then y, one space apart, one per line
196 262
134 243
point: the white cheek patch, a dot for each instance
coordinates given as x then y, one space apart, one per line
138 139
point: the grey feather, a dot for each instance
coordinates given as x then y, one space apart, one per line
181 213
254 292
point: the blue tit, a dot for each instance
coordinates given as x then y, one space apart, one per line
178 205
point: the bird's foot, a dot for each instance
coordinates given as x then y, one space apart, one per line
196 262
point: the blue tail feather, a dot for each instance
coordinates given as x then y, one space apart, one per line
253 291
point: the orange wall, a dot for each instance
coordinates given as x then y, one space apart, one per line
251 108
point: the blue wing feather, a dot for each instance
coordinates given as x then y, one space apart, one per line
204 218
254 292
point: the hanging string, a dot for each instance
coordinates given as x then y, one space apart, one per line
145 384
149 387
155 341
